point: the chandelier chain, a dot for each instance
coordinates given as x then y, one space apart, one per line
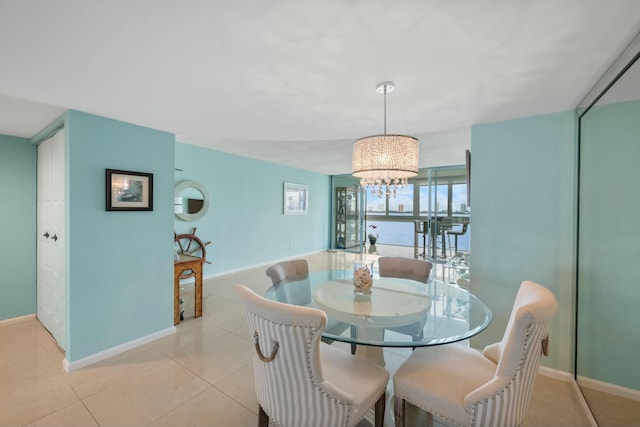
385 110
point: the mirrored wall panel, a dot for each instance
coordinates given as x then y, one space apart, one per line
608 324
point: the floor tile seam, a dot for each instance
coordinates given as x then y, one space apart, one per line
65 407
208 387
32 420
90 413
244 336
228 374
128 378
181 364
212 384
32 382
51 371
253 410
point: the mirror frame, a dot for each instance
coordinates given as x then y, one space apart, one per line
622 63
187 183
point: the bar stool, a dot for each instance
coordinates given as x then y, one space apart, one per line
420 227
457 232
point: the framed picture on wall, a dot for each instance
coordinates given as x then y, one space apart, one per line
129 191
296 199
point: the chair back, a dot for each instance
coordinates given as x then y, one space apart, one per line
518 356
405 268
294 270
462 230
289 382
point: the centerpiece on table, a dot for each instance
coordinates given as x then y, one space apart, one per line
362 279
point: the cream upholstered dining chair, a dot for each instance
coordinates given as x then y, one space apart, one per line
297 270
301 381
293 270
407 268
489 388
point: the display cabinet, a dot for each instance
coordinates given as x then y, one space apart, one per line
346 217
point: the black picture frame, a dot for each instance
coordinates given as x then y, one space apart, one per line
129 191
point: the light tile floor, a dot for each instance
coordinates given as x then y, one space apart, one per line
199 376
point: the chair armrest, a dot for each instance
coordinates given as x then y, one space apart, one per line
492 352
484 392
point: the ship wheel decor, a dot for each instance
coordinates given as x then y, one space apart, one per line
190 244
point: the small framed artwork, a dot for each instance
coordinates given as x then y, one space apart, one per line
129 191
296 199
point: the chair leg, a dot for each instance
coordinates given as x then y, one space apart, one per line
353 334
379 408
263 418
399 406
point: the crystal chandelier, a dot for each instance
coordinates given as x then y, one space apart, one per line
384 162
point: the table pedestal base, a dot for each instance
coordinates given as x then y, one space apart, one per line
368 352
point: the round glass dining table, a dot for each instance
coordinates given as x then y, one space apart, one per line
397 312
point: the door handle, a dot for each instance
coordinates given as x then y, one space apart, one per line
55 237
46 235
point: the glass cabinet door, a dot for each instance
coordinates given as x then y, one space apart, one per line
347 218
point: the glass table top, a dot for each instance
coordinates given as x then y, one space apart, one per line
397 312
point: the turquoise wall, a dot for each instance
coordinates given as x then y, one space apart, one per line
119 264
18 164
245 221
523 191
609 280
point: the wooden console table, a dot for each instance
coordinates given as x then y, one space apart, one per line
187 262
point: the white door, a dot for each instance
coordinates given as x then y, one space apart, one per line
51 237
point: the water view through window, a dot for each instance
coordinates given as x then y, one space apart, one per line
443 195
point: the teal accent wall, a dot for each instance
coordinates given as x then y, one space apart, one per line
18 165
523 192
245 221
609 278
119 264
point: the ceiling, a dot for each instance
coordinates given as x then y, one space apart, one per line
293 82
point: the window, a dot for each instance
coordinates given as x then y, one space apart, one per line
440 192
401 204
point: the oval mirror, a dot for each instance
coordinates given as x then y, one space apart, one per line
195 200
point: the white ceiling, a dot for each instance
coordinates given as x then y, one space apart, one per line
294 81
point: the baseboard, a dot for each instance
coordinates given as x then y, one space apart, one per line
585 405
616 390
105 354
556 373
568 377
17 319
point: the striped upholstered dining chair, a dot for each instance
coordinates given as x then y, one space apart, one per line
301 381
491 388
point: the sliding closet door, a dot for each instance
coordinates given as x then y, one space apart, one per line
608 341
51 237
